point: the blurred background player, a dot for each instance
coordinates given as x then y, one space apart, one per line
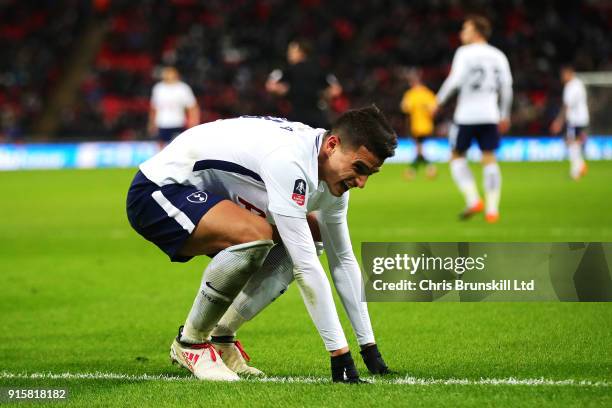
419 103
174 108
574 114
481 72
304 84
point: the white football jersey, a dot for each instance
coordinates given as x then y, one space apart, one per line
170 102
575 101
270 167
263 164
482 74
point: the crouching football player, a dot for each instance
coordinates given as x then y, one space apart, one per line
239 190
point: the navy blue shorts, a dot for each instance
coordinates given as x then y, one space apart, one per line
575 133
167 134
461 136
167 215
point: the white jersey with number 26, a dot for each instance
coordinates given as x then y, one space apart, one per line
481 72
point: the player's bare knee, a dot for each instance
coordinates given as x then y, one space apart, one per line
488 157
455 154
254 231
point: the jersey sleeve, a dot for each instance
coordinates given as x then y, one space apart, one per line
276 75
286 183
155 96
431 100
453 82
405 105
505 88
188 97
571 95
330 79
311 280
337 211
346 273
566 95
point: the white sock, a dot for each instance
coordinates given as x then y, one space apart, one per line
223 279
492 187
576 160
465 181
229 323
268 283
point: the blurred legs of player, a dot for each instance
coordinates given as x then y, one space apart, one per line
487 136
464 179
430 169
578 167
491 178
575 139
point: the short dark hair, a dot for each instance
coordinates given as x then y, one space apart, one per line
367 127
481 24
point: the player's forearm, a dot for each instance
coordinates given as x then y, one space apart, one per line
193 116
506 101
274 84
152 116
317 296
346 274
561 115
333 91
312 282
347 279
447 88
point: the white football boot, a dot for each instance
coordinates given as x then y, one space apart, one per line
202 360
235 358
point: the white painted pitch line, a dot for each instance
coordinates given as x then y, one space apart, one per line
312 380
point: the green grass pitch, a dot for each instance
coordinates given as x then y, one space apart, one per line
80 292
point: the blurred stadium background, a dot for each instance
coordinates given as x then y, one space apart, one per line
82 71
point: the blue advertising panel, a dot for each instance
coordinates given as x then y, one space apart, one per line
131 154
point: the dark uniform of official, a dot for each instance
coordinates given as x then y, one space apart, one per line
306 81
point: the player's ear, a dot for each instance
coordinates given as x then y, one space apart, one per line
332 142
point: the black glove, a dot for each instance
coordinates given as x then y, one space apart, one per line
374 361
341 365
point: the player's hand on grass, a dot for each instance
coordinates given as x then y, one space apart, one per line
373 360
343 369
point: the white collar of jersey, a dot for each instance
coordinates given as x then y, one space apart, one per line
318 142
